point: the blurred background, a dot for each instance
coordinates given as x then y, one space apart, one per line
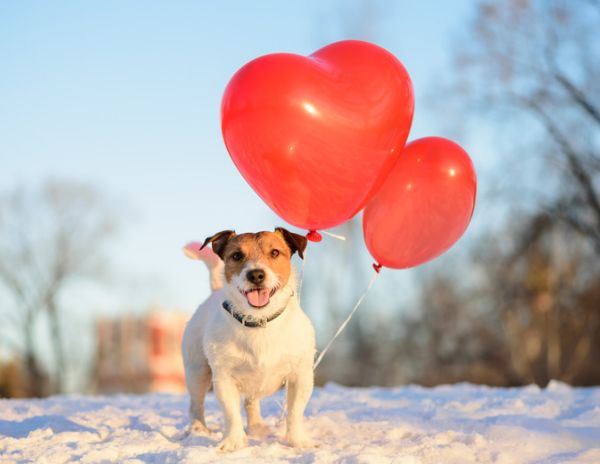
111 160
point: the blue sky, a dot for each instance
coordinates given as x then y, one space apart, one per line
125 96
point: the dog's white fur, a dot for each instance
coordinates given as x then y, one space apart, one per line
245 361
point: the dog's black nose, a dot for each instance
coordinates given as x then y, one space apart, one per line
256 276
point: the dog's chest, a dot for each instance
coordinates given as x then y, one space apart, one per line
259 363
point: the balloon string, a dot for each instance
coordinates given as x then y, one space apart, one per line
339 237
345 322
315 236
284 406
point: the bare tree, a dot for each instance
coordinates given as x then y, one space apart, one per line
48 238
451 339
530 316
545 290
533 67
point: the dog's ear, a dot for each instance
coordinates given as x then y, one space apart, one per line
219 241
296 242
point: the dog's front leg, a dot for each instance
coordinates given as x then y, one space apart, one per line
228 396
300 386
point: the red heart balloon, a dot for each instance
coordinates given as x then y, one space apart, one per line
316 136
424 206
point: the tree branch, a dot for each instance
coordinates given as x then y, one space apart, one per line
585 230
578 96
573 158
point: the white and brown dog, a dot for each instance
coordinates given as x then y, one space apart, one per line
250 336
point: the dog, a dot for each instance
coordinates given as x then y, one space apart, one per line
250 336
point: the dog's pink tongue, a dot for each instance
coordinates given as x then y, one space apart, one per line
258 297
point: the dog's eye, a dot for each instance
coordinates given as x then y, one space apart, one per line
274 253
237 256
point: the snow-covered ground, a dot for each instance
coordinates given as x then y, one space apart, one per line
405 425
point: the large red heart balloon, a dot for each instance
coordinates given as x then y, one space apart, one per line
316 136
424 206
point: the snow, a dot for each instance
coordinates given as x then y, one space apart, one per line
405 425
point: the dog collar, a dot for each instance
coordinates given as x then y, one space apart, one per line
251 321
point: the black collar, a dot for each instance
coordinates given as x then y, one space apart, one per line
251 321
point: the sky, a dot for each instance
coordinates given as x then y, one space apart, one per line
125 97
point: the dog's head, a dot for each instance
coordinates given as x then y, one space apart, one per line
257 266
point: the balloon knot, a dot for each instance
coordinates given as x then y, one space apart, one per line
314 236
377 267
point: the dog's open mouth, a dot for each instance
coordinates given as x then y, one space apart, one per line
258 297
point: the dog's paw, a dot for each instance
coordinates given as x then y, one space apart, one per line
300 441
199 427
260 430
232 442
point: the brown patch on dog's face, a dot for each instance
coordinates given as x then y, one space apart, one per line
267 249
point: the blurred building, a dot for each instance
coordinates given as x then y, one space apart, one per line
12 377
140 354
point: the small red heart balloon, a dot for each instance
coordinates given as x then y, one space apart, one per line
316 136
424 206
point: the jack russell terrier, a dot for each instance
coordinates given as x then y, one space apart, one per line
250 336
